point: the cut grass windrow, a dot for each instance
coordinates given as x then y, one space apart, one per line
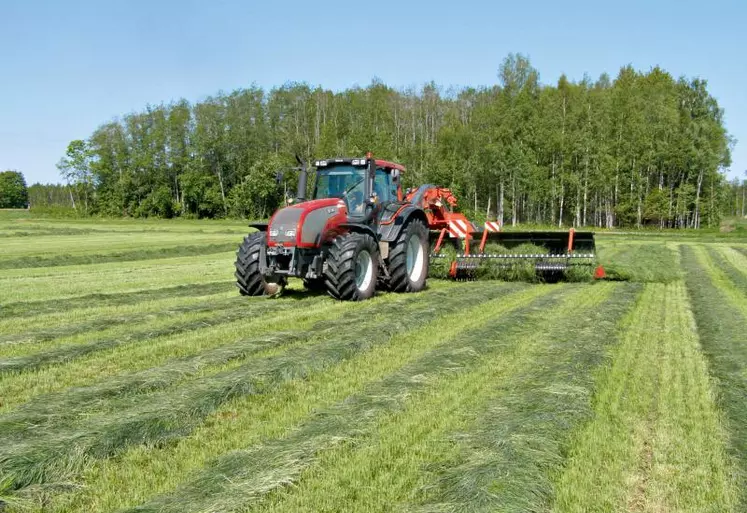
656 442
190 319
506 457
640 262
63 407
171 414
243 421
737 276
721 278
41 329
48 339
63 283
87 247
148 352
722 327
116 256
411 449
242 477
737 258
94 301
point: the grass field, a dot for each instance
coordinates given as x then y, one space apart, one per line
133 377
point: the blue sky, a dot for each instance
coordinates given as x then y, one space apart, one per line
68 66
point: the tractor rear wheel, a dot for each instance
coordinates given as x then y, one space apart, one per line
408 258
352 267
248 278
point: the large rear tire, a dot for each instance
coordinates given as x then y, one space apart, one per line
248 278
408 258
352 267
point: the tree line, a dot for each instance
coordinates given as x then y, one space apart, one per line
643 148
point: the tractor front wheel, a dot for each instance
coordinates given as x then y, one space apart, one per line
352 267
408 258
248 278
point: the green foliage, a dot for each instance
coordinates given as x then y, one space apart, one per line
642 148
13 190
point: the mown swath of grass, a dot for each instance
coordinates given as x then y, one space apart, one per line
116 256
242 477
43 328
42 307
37 231
202 317
45 283
409 447
39 336
44 249
641 262
721 279
656 442
737 276
741 249
20 387
735 257
175 413
722 327
507 457
30 356
70 404
246 420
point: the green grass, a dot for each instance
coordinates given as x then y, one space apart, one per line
644 450
247 420
240 476
133 376
722 324
115 256
37 459
633 260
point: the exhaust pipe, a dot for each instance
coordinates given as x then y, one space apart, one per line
302 179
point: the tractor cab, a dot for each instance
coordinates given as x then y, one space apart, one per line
363 184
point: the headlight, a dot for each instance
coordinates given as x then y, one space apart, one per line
290 233
274 232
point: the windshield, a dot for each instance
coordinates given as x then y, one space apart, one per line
346 182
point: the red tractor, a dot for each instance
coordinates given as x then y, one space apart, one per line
360 232
357 232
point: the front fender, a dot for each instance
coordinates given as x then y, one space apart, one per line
390 231
359 228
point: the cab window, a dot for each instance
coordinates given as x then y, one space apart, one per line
384 187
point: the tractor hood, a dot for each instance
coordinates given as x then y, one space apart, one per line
308 224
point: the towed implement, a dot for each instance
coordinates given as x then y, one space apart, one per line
360 232
466 251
